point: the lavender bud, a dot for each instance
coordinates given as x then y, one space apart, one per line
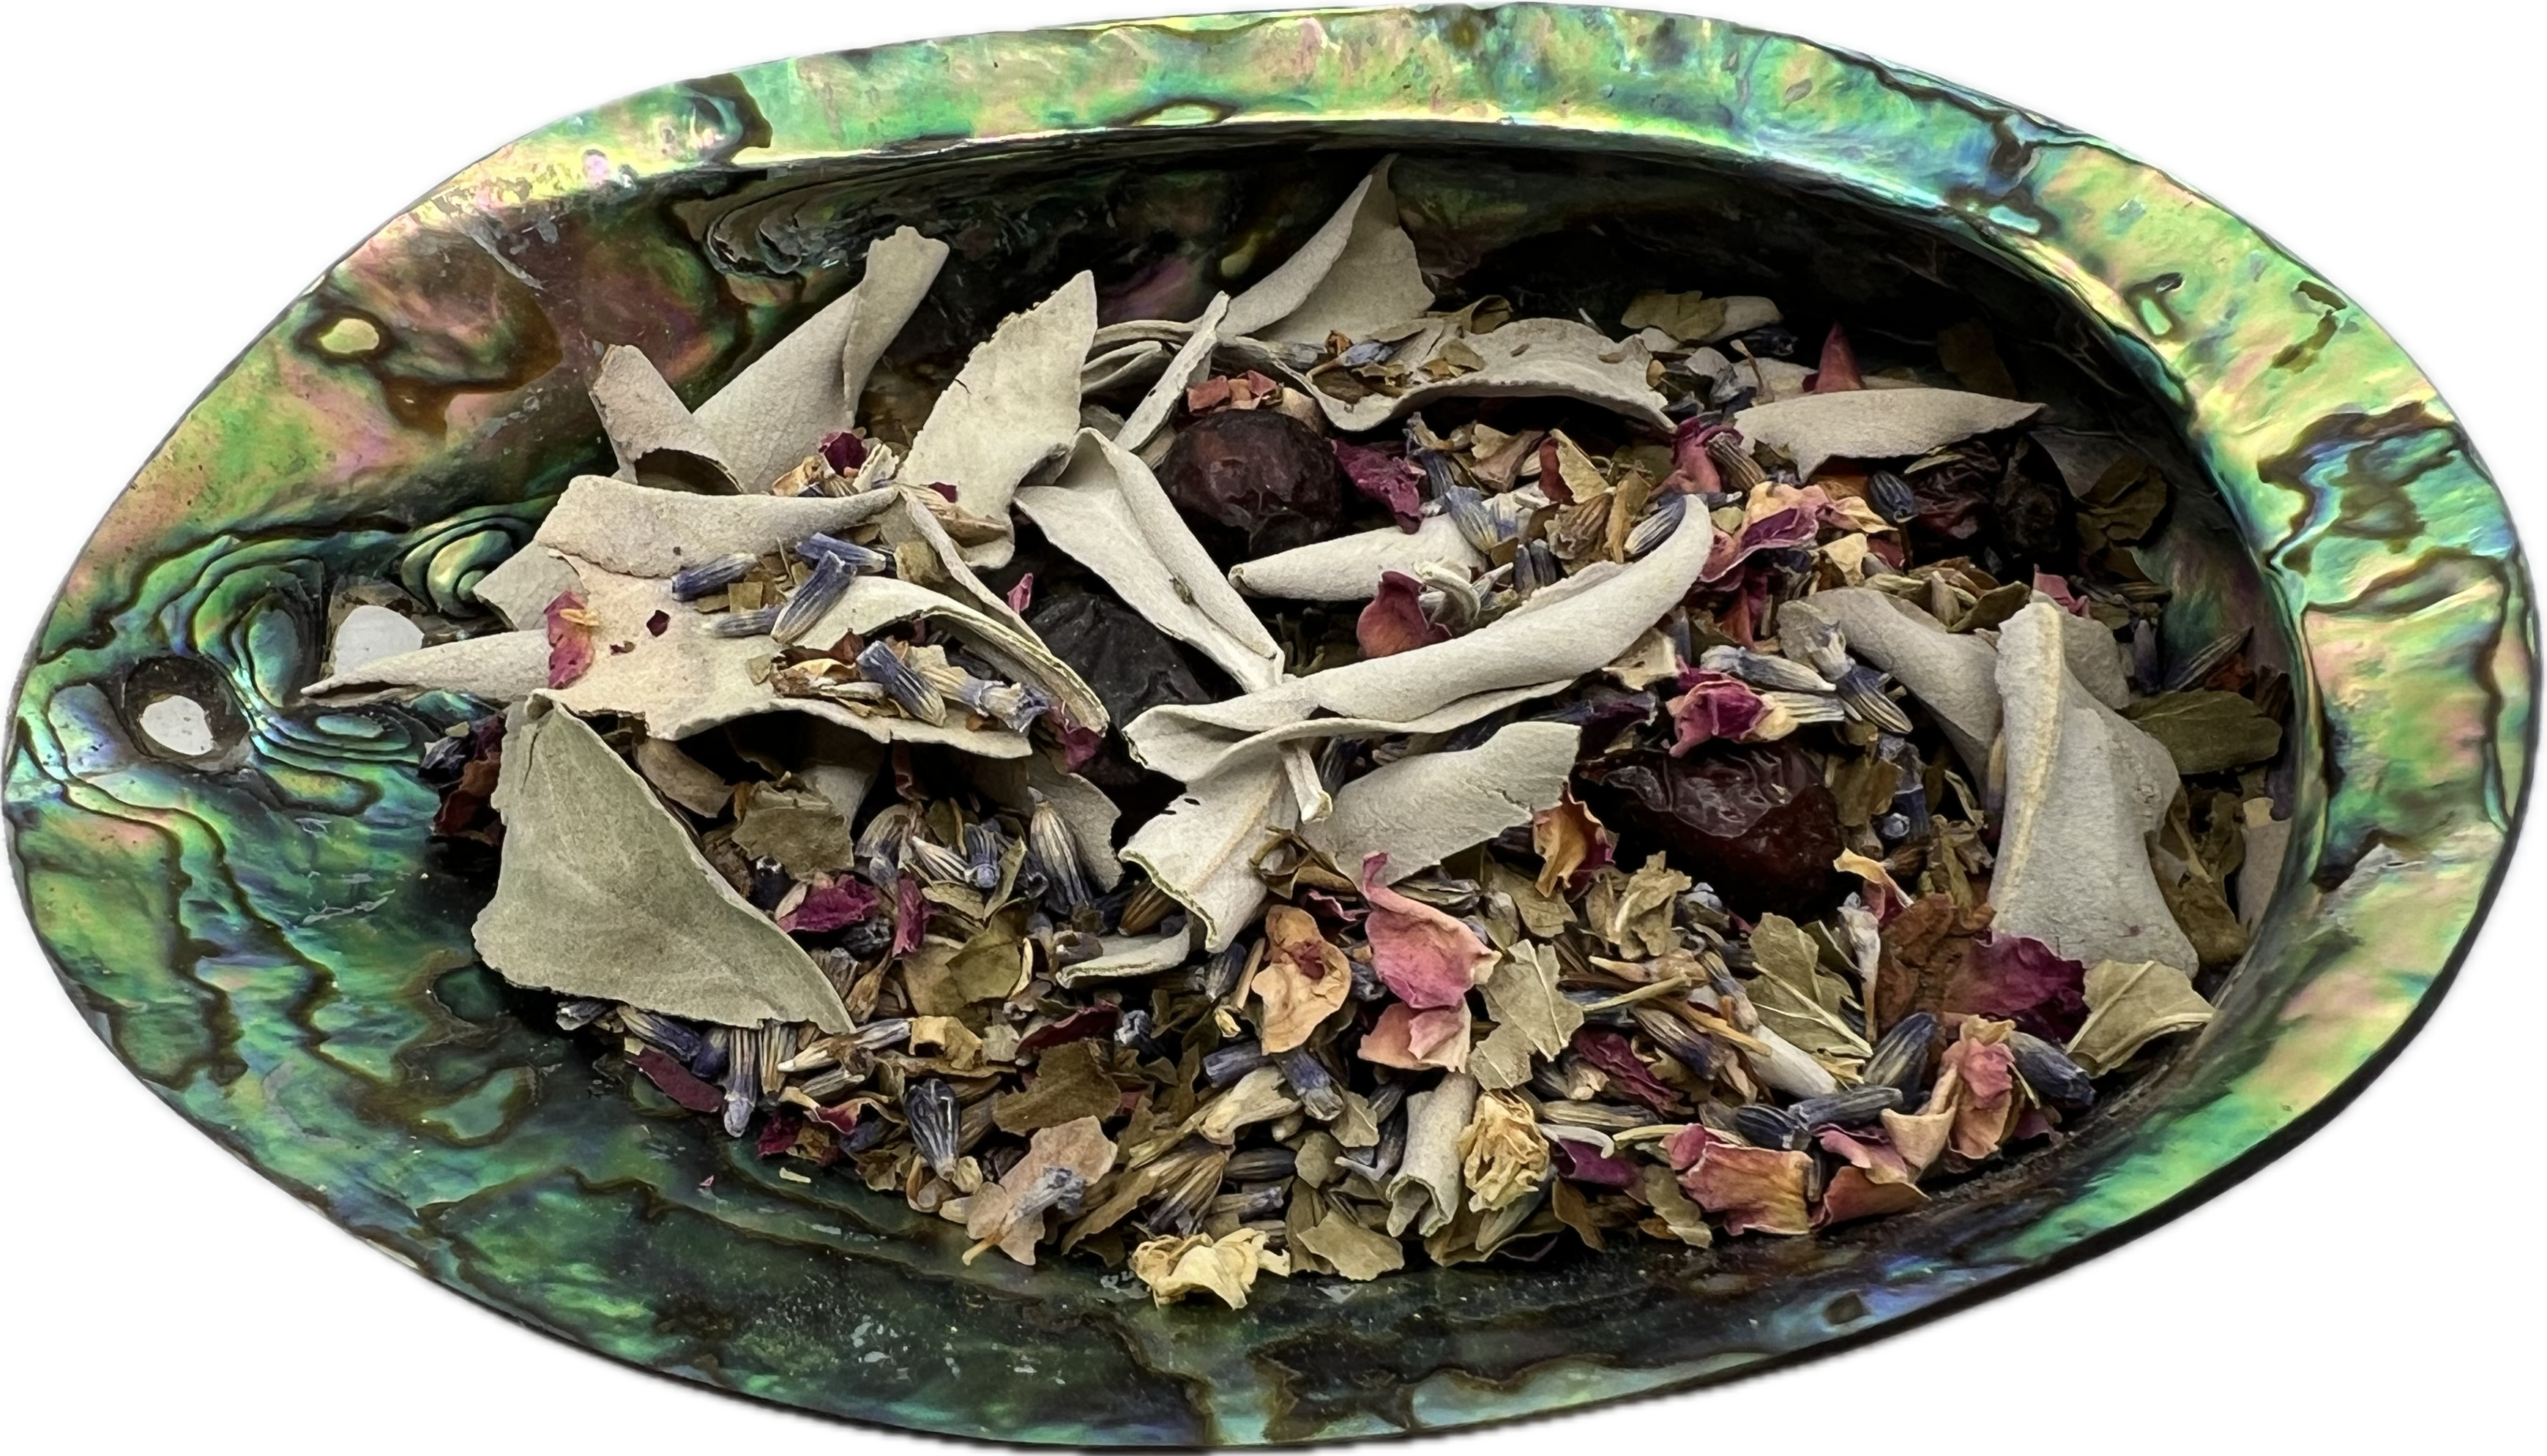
693 583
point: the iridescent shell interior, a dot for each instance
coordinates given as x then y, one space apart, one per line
263 932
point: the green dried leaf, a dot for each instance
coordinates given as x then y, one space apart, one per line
2203 913
603 894
2128 1005
1532 1018
1356 1253
985 969
2123 506
1864 786
798 827
926 983
1970 355
1575 1212
1996 606
1543 915
2207 731
1684 316
1072 1081
683 779
1795 996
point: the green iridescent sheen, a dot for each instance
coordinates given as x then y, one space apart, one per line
267 938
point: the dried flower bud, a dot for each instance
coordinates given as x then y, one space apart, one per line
888 671
1891 496
937 863
1224 1065
984 845
820 592
1467 508
1057 854
1900 1058
1312 1084
929 1104
755 623
693 583
1658 525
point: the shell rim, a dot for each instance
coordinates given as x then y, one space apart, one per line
2226 1184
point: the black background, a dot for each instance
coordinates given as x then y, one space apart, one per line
184 1304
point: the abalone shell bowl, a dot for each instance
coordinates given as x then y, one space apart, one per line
264 933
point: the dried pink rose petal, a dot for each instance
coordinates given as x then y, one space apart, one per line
1712 705
833 906
1794 525
1838 368
2019 979
778 1134
1208 396
1394 621
1391 479
1088 1021
1692 470
1079 745
1580 1162
1872 1151
844 452
676 1081
843 1119
1752 1188
2058 588
1552 478
910 915
1327 907
1021 595
571 625
1423 955
1978 1079
1609 1052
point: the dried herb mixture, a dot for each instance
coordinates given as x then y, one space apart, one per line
1339 778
